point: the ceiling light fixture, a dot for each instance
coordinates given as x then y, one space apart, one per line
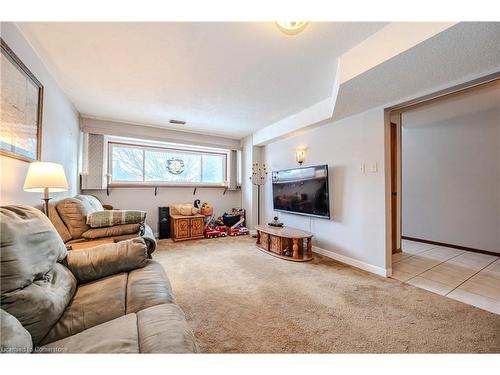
291 27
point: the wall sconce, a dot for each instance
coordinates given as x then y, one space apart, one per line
300 155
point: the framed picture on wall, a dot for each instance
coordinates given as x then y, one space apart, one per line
21 108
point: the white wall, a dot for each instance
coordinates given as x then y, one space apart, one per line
356 233
451 171
247 189
60 129
250 154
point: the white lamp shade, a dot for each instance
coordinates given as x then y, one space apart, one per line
43 175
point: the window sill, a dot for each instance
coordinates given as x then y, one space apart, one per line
163 185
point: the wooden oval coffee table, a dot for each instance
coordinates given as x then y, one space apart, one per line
285 242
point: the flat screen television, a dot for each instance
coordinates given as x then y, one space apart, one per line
302 191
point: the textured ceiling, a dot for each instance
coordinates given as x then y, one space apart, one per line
222 78
462 50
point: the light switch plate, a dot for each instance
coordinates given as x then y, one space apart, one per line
374 167
362 168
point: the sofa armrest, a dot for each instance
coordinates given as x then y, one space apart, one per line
108 259
15 338
149 238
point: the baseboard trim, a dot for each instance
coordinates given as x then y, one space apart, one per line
451 245
353 262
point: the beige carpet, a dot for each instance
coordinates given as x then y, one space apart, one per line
240 300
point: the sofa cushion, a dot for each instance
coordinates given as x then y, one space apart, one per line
58 223
34 288
94 303
116 336
163 329
114 231
105 260
109 218
91 201
30 246
158 329
106 299
146 287
15 338
74 212
39 305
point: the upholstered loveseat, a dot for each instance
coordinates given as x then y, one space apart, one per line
107 299
69 217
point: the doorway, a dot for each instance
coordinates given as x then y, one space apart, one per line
437 261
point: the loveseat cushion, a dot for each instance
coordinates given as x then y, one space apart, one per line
109 218
15 338
91 201
108 259
114 231
158 329
58 223
74 211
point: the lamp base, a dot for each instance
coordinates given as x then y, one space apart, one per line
46 206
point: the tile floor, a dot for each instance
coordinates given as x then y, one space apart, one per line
465 276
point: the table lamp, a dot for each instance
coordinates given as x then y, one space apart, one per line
45 177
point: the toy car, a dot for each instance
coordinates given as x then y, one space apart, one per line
237 231
243 230
222 230
213 232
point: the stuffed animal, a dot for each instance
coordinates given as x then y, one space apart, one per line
206 209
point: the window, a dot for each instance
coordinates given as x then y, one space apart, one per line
153 165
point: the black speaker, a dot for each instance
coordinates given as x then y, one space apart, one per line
163 222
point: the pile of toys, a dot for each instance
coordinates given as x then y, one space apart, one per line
229 224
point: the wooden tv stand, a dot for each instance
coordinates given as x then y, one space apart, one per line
285 242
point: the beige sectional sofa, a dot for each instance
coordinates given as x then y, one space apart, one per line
107 299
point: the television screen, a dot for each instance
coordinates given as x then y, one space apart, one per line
302 191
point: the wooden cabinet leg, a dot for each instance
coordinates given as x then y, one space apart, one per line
309 248
295 248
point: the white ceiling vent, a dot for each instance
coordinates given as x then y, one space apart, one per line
177 122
